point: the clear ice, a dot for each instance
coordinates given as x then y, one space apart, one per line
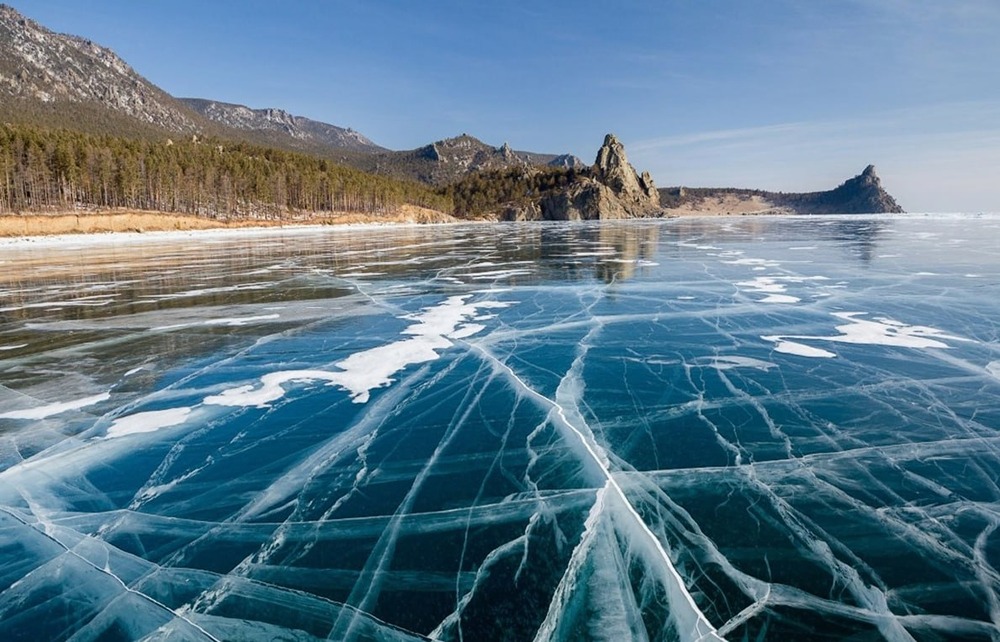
691 429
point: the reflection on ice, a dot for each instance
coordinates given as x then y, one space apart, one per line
519 432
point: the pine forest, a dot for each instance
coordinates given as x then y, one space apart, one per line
46 170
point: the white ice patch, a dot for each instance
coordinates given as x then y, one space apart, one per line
754 262
763 284
13 347
147 422
878 331
799 349
888 332
498 274
271 388
730 362
237 321
776 286
204 291
993 367
82 302
639 262
433 330
41 412
230 322
780 298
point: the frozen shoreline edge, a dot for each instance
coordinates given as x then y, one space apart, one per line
99 238
93 239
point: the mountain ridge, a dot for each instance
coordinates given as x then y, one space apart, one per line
68 81
273 119
449 159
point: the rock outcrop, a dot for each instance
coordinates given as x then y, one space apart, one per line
610 189
613 169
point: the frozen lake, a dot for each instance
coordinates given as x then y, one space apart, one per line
691 429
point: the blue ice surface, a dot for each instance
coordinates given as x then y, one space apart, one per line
763 428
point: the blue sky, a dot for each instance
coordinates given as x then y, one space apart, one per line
790 95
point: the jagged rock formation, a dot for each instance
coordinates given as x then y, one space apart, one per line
59 72
611 189
613 169
862 194
279 121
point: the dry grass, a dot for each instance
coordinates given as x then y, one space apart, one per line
15 225
729 204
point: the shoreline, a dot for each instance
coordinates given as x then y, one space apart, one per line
161 226
64 227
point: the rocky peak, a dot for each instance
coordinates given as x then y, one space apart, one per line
610 190
613 170
864 194
39 65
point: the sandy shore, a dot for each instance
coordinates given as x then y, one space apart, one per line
34 225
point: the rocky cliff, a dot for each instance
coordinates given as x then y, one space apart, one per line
611 189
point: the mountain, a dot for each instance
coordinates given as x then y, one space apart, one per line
448 160
68 81
280 125
862 194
